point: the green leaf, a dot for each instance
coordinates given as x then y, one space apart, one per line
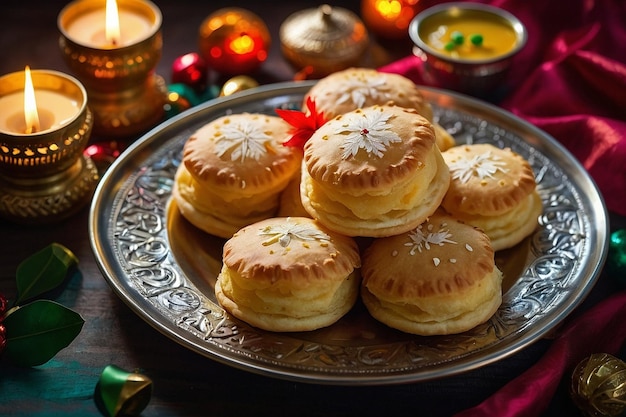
43 271
37 331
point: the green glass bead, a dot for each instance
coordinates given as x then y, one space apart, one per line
616 261
457 38
476 39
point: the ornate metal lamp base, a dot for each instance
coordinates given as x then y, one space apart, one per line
49 199
130 112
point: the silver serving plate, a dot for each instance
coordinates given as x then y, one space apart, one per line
165 269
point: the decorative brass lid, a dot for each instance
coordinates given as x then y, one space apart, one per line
323 40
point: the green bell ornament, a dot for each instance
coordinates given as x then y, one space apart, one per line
122 393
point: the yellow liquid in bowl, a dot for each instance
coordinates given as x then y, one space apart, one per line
499 38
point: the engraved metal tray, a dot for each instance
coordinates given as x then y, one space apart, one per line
165 269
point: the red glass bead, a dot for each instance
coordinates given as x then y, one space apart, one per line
190 69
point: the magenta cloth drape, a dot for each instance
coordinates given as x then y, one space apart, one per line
603 330
570 81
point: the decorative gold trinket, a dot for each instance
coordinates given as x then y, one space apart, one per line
599 385
323 40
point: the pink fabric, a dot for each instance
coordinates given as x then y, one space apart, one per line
570 81
604 331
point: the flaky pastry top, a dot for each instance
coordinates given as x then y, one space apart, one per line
441 257
370 149
486 180
297 250
241 151
354 88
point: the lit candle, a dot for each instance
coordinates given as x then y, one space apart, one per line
113 47
109 27
45 124
389 18
44 109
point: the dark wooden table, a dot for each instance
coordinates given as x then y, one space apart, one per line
185 383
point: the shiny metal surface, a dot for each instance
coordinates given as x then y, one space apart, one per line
165 269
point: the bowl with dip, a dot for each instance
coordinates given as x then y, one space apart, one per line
467 47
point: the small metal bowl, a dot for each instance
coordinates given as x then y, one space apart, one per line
482 76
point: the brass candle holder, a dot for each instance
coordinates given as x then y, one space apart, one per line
125 94
44 176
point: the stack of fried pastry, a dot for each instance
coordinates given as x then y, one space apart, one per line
288 274
373 172
493 189
233 171
439 278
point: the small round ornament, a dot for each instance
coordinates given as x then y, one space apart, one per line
616 260
390 19
236 84
104 153
599 386
234 41
190 69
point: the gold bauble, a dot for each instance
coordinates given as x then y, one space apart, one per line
599 386
237 84
323 40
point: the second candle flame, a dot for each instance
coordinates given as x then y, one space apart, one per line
112 27
31 115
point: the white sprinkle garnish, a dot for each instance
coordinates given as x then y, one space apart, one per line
368 131
452 260
283 233
358 89
469 248
483 166
436 261
243 139
394 253
420 241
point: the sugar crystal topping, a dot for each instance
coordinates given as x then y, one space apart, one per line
285 232
422 240
244 139
483 166
357 89
368 131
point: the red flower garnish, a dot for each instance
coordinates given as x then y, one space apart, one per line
303 124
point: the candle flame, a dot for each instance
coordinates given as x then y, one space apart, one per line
31 116
389 9
243 44
112 28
